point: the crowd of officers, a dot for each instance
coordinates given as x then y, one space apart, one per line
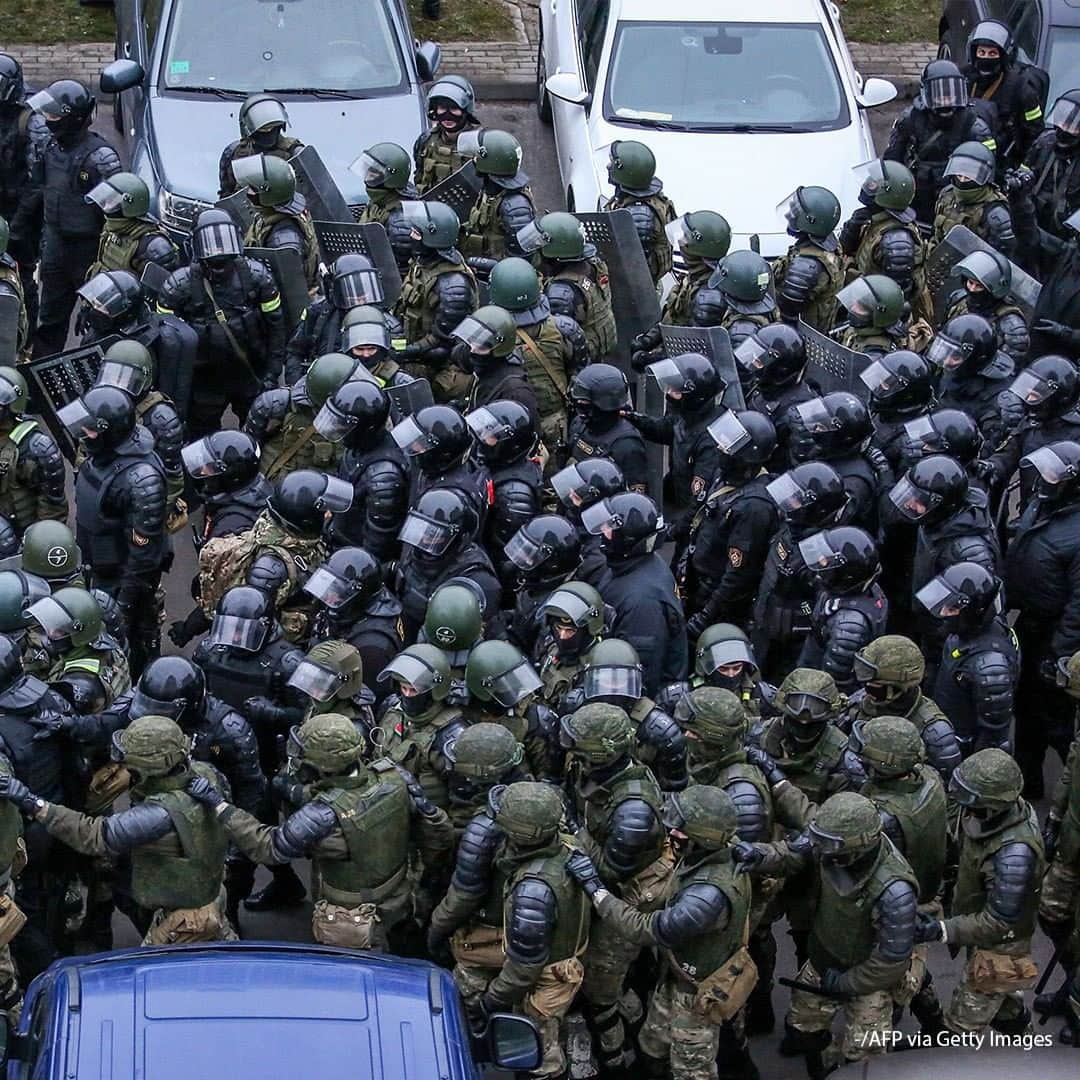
438 651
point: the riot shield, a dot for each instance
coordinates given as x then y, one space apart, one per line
633 291
831 366
713 342
9 328
238 207
287 267
153 277
406 399
459 191
940 280
368 239
57 380
321 193
652 401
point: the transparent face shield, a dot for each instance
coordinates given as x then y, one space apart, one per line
46 105
620 682
142 704
124 377
414 213
524 553
337 497
486 427
857 299
430 537
728 433
199 461
411 671
1065 116
668 376
234 632
570 487
531 238
788 496
814 416
9 392
1072 222
1031 389
266 114
1051 469
106 198
216 241
330 590
318 683
54 620
880 381
949 92
78 421
870 176
818 554
359 287
366 335
249 172
724 654
970 169
679 232
942 601
469 143
332 424
515 685
411 438
911 501
370 169
566 607
597 517
945 353
751 355
473 333
101 293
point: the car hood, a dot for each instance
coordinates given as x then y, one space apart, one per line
746 176
189 136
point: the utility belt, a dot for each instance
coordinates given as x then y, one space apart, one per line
365 896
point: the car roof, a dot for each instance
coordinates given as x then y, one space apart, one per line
735 11
252 1010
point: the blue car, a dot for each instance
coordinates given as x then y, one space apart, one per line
254 1011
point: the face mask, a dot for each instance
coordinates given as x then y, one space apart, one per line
980 301
66 125
803 734
98 321
1065 142
726 682
941 117
265 140
988 66
217 269
417 704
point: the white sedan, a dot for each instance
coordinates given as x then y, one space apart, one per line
740 103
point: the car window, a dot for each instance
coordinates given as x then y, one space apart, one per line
1063 60
768 76
1025 27
247 46
593 44
151 18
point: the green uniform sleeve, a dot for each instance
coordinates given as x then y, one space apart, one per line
454 910
250 835
981 929
513 982
80 832
629 923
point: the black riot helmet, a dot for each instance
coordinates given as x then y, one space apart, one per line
996 34
11 658
170 686
546 550
811 495
215 237
1049 387
745 438
11 80
689 381
774 356
243 620
1058 468
224 461
504 432
990 271
110 298
962 597
66 105
586 482
354 281
931 490
439 525
103 418
599 388
829 427
1064 118
943 90
628 524
944 431
301 500
346 582
436 437
354 414
964 346
901 384
844 559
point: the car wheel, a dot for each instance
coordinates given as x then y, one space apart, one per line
543 101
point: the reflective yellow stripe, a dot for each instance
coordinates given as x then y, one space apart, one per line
162 310
1033 114
88 665
398 343
20 431
990 144
271 305
956 654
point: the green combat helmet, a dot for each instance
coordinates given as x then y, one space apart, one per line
743 276
364 326
970 168
485 753
70 613
129 366
888 746
515 285
889 185
19 592
327 375
495 153
423 668
151 746
454 622
1068 675
889 667
562 238
331 671
261 112
50 551
599 733
498 672
808 699
529 813
703 234
14 394
384 165
270 180
714 716
722 645
434 224
613 669
329 744
990 269
846 827
814 211
575 603
990 780
704 815
489 330
632 167
874 300
122 195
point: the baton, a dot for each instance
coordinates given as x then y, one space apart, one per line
810 988
1055 959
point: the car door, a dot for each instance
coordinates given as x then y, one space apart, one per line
960 17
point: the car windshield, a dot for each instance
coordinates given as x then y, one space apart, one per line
730 77
248 46
1063 60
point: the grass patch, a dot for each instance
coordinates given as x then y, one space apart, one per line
24 22
890 20
463 20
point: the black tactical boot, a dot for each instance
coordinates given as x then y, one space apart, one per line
1016 1025
926 1008
1055 1004
285 890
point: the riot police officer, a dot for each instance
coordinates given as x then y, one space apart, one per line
943 431
385 169
973 200
71 164
488 351
632 172
573 617
371 337
901 386
1052 160
131 238
263 121
987 278
454 624
600 398
744 281
451 108
577 487
12 285
809 276
505 206
876 317
242 352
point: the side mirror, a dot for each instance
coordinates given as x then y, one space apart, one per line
875 92
513 1043
121 75
567 87
428 58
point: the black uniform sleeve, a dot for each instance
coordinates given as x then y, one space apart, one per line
145 511
249 787
848 631
302 831
900 138
386 504
141 824
457 299
267 573
273 317
47 474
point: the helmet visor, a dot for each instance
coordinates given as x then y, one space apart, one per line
667 374
319 683
968 168
216 240
1030 388
266 113
824 842
814 416
366 334
332 424
329 589
123 377
370 169
106 197
235 632
199 461
414 212
1049 466
941 600
857 298
623 682
728 433
516 684
530 237
359 287
9 392
960 792
595 517
722 653
912 502
921 430
249 172
679 232
949 92
566 605
880 381
410 670
337 496
870 175
524 553
751 355
430 537
787 494
51 617
44 103
102 294
864 670
569 486
1065 116
945 353
485 426
476 335
818 553
411 437
142 704
77 419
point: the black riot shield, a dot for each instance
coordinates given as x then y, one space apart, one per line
321 193
238 207
633 292
153 277
9 328
57 380
942 282
459 191
408 398
369 239
831 366
652 401
713 342
287 267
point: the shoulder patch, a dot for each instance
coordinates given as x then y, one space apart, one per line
735 557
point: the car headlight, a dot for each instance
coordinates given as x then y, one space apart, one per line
177 212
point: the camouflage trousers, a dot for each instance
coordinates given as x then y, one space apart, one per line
607 962
867 1019
1059 902
187 926
973 1007
673 1030
915 975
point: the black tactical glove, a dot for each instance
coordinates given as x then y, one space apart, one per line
438 949
697 624
746 857
411 352
421 803
928 929
583 870
832 985
772 772
183 630
984 470
15 791
476 1012
288 790
636 418
50 724
261 710
1058 331
202 791
1017 181
1050 830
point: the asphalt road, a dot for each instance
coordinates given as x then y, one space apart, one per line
294 925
